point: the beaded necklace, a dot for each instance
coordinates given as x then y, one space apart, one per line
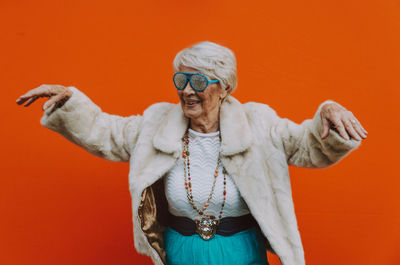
188 183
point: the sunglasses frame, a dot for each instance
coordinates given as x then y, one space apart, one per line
189 79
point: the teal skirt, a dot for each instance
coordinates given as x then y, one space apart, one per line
244 248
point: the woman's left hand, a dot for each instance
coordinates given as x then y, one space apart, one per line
344 121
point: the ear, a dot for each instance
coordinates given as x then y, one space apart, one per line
224 92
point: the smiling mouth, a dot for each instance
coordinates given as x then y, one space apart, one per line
192 102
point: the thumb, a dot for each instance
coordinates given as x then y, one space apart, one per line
325 128
51 101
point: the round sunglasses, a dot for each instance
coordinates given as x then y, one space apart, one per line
198 82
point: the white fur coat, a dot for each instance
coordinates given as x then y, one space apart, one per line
256 147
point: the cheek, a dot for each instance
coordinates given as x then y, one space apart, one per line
180 95
212 98
209 103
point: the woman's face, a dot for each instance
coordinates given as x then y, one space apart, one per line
200 105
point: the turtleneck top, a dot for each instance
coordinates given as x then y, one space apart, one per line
203 149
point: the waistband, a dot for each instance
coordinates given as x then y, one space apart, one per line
207 227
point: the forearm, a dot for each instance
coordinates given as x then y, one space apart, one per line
83 123
304 146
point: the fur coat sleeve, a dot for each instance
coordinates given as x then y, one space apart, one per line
83 122
303 145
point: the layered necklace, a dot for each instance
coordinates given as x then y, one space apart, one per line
188 183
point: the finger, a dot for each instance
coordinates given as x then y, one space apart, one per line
357 128
30 101
325 128
359 123
340 128
349 127
52 101
365 131
21 100
43 90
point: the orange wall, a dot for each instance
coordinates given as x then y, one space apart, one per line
61 205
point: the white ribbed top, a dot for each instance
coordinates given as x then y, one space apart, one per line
203 149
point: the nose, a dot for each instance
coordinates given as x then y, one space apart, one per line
188 90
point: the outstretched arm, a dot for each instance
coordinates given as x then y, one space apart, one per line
322 141
73 115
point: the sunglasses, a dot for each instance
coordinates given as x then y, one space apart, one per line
198 82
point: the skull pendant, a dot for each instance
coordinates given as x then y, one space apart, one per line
206 227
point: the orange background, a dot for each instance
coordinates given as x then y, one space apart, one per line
61 205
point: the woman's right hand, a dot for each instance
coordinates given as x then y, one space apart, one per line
57 94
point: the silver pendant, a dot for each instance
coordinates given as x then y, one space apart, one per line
206 227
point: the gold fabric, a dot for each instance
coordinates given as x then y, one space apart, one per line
151 214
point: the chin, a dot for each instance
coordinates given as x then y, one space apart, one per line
191 114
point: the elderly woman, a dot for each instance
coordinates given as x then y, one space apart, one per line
208 177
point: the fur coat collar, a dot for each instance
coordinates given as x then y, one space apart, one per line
234 128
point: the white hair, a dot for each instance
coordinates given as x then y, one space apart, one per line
212 60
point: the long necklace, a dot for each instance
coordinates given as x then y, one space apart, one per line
188 183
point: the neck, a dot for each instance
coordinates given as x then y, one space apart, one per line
205 124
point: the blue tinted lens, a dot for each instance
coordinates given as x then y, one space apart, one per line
180 80
198 82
